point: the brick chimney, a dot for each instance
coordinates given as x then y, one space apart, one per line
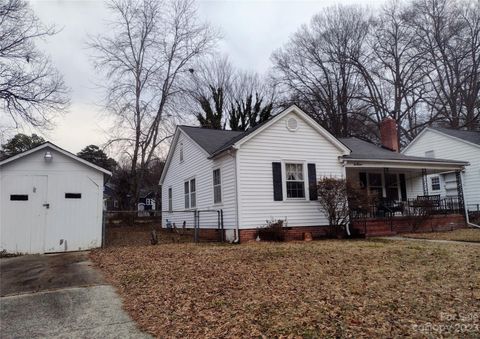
389 134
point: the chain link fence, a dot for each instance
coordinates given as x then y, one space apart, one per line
125 228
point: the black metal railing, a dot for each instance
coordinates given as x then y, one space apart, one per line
420 206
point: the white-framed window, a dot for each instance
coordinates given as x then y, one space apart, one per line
430 154
217 186
294 181
181 152
170 196
150 201
435 183
190 193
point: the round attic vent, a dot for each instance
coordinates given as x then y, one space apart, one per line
292 124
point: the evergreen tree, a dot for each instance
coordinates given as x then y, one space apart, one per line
95 155
211 117
20 143
246 113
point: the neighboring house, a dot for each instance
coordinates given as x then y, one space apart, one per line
110 199
451 144
50 201
146 201
271 171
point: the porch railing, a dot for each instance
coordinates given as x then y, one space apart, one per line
416 207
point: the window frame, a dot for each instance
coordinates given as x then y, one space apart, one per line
190 193
170 199
19 197
432 184
302 163
181 155
71 195
219 185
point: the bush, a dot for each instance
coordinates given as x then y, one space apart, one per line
272 231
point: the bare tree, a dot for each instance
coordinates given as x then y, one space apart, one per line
316 71
32 92
144 55
392 73
449 37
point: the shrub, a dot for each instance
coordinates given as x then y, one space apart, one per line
272 231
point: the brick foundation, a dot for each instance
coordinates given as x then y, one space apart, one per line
374 227
291 233
398 225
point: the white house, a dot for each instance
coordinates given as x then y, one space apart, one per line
271 171
451 144
50 201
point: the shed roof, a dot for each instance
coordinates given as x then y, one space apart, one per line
364 150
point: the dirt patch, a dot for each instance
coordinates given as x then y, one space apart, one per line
464 234
141 235
316 289
33 273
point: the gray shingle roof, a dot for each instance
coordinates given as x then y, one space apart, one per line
470 136
209 139
368 151
215 141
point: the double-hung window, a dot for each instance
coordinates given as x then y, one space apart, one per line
435 183
190 191
170 205
295 181
217 186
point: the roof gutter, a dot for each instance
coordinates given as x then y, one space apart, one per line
458 163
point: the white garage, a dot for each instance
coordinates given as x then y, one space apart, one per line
50 201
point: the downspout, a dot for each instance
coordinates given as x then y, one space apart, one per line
344 173
467 219
237 236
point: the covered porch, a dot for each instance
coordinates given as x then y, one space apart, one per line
396 196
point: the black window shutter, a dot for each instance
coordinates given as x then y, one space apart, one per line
312 181
363 179
277 181
403 187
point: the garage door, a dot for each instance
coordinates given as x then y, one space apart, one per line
24 213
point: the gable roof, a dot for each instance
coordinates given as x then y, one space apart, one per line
210 139
470 136
215 141
58 149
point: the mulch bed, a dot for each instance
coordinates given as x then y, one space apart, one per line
334 288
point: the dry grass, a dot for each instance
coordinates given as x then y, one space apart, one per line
317 289
464 234
141 235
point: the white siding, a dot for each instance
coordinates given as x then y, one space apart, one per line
69 224
446 147
277 144
197 165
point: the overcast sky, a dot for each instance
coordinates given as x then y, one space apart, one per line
251 31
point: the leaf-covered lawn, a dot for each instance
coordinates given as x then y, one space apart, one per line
323 288
464 234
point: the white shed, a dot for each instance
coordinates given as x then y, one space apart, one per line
50 201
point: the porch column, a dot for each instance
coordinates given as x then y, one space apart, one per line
461 202
424 181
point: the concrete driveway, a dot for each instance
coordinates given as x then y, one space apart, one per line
59 296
